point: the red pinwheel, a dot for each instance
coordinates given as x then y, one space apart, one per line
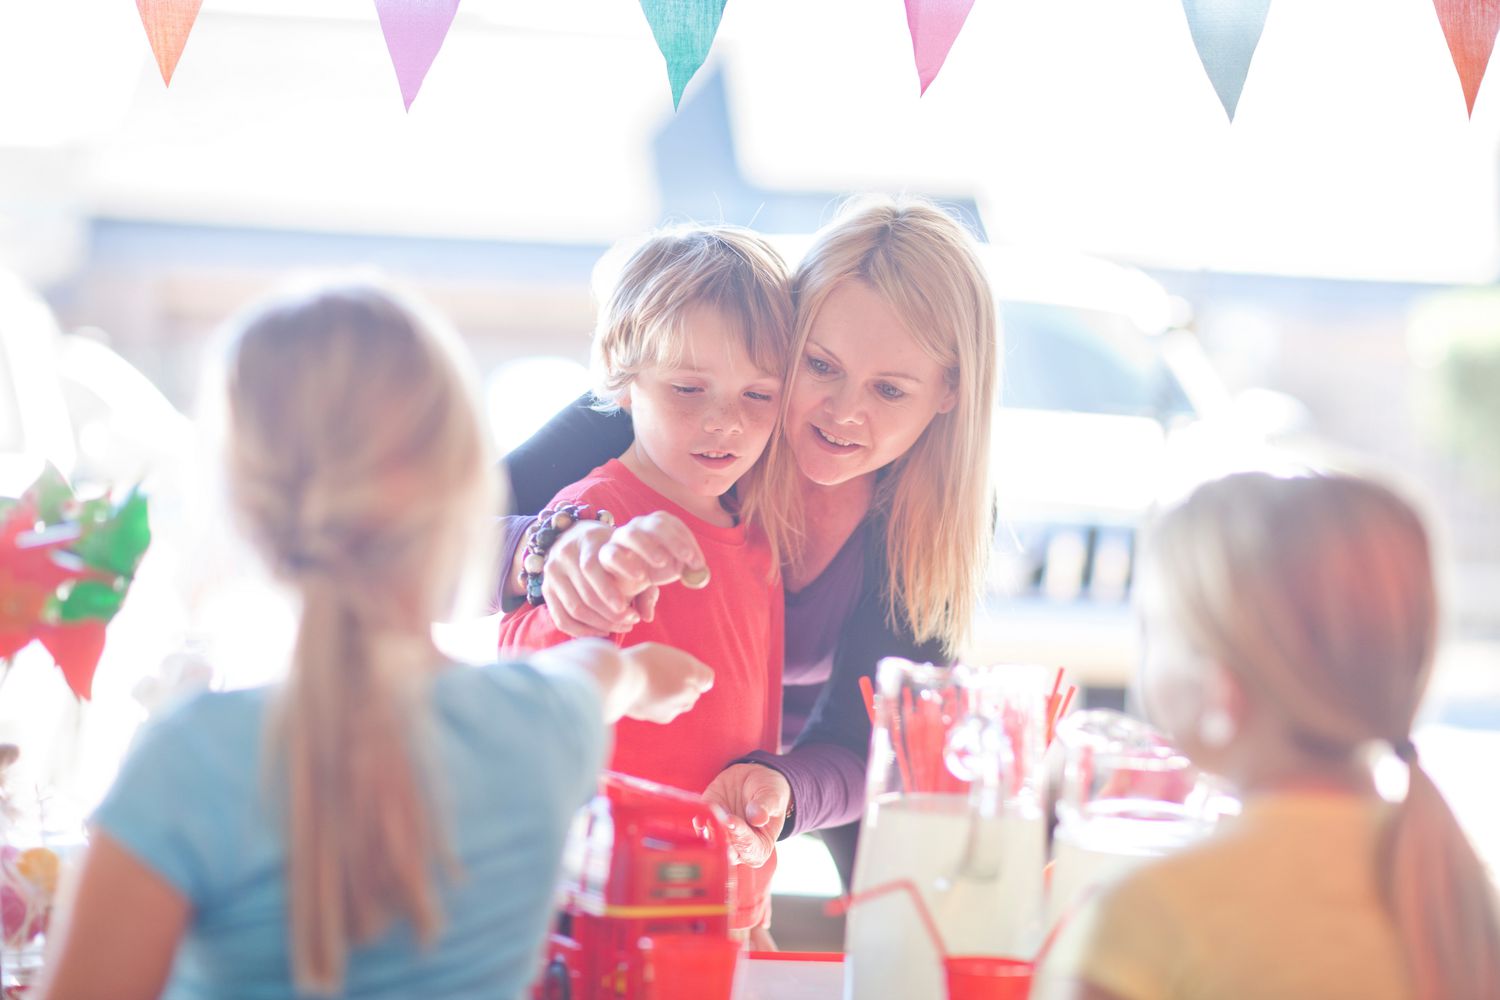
65 567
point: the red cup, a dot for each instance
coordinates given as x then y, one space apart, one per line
690 967
984 978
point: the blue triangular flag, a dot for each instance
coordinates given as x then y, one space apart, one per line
1226 33
684 31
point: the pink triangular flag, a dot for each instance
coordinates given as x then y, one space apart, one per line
168 24
934 25
414 32
1470 27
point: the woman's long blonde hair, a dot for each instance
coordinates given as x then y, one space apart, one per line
1317 593
729 269
936 497
357 466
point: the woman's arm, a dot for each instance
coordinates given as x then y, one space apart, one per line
820 782
826 767
116 937
825 770
569 446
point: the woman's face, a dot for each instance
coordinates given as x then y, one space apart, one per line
864 389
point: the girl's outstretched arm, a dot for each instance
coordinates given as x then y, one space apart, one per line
115 938
650 682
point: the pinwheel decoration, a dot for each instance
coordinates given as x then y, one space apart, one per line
66 565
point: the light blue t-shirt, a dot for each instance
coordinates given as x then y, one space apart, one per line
519 752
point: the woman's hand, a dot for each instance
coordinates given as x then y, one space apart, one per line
757 799
585 598
598 581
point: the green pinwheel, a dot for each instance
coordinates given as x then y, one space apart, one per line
65 567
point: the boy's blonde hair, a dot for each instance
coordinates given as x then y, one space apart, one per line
726 268
936 497
1317 593
358 467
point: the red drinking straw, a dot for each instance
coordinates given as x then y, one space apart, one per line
868 690
968 977
906 885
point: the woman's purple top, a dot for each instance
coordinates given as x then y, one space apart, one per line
815 616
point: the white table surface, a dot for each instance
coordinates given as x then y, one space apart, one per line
771 979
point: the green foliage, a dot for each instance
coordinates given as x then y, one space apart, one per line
1455 339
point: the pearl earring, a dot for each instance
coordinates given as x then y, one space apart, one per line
1216 728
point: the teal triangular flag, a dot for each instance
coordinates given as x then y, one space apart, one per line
1226 33
684 31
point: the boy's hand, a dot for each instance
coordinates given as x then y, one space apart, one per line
669 681
650 551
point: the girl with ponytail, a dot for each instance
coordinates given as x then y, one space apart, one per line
1290 625
385 822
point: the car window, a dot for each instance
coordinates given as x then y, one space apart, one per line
1084 361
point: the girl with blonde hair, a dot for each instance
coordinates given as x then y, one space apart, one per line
385 822
1290 625
880 473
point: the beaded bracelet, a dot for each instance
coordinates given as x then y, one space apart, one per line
548 527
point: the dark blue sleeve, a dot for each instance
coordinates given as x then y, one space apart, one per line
568 447
826 766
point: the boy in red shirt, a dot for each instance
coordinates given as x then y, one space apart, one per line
694 344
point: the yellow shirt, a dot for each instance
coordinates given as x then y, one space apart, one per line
1282 904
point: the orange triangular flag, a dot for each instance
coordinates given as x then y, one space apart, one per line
168 23
1470 27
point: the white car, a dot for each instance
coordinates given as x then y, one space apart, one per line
34 424
1107 405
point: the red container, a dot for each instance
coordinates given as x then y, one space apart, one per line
647 867
985 978
689 967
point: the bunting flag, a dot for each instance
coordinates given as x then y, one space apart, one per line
414 32
684 31
168 24
1226 33
1470 27
934 25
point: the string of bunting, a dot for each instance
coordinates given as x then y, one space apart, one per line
1225 33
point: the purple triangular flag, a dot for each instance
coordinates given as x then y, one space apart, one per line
934 25
414 32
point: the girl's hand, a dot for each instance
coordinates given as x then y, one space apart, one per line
757 799
669 681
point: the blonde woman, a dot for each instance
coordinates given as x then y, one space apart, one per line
1290 627
882 469
384 823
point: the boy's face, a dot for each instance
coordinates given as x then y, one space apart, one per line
701 425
